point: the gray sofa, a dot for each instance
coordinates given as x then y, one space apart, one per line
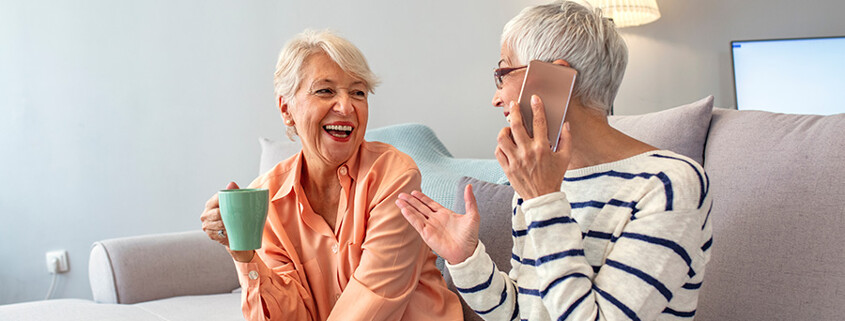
175 276
778 186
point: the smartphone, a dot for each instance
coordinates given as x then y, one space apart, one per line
553 84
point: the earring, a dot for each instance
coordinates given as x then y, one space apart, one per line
289 122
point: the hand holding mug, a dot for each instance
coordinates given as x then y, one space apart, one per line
212 222
235 218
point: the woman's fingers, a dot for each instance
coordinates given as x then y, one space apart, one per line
540 125
500 156
506 143
212 222
212 214
417 204
214 226
212 202
414 217
564 144
520 135
471 204
430 203
213 230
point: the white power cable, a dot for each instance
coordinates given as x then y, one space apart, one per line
55 273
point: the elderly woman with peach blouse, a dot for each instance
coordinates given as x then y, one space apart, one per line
335 245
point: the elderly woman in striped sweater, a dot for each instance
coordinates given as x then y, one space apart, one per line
605 228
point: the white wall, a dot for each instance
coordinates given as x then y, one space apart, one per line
686 54
121 118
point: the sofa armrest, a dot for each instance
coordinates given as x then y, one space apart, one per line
150 267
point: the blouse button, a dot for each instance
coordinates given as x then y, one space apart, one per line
253 275
343 170
334 248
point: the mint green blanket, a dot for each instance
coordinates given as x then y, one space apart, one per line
440 170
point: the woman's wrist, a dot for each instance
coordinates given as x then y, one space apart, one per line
458 260
242 256
536 193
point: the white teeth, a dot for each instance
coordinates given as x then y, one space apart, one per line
341 131
343 135
339 128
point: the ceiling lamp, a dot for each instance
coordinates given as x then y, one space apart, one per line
628 13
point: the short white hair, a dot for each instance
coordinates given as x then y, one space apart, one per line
581 36
289 66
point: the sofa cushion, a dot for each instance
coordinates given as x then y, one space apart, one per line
214 307
682 129
74 310
440 170
778 188
217 307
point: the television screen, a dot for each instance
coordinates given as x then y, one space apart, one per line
796 76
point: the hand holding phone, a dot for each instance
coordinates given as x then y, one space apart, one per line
553 83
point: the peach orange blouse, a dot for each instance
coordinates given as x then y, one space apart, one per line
372 266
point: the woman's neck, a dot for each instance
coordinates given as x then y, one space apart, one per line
595 142
322 189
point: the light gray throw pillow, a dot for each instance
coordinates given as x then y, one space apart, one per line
275 151
494 206
682 129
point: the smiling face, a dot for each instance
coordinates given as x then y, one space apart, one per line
511 83
329 112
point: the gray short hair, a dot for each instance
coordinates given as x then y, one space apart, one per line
288 75
289 66
582 37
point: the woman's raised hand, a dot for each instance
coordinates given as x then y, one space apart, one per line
451 235
533 169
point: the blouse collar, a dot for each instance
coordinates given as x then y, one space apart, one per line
348 168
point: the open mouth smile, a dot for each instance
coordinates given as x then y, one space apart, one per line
339 132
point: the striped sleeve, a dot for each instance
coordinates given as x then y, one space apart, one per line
554 250
650 261
488 291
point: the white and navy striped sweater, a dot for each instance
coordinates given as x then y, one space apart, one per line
622 240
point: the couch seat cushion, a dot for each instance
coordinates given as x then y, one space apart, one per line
214 307
73 310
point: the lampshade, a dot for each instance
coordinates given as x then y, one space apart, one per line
628 13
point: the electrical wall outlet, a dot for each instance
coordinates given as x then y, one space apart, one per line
57 261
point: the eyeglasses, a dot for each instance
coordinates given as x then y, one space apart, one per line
498 73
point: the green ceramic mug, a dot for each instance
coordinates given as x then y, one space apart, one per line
244 212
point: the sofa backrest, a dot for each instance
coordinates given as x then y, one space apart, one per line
778 188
